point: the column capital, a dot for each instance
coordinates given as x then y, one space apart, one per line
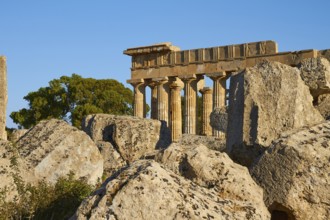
160 80
216 76
135 82
175 86
187 78
206 90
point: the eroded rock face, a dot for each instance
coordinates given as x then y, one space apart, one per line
212 169
316 74
211 142
112 159
323 105
53 149
132 137
17 134
219 119
294 173
148 191
265 101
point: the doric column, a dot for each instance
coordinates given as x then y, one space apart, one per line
176 118
219 96
153 102
190 107
219 91
207 110
162 99
139 106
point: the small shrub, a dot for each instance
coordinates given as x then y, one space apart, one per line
45 201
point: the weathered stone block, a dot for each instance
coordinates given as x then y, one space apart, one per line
53 149
316 74
132 137
323 105
147 190
265 101
294 173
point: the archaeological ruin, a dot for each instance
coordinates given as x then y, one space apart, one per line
3 97
167 70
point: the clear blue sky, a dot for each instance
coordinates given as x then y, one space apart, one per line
43 40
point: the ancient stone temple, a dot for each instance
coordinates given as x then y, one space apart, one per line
167 70
3 97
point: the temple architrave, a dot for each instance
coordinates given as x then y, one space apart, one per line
167 70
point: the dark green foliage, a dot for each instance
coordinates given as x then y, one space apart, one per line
46 201
72 98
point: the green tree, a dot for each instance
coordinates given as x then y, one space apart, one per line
72 98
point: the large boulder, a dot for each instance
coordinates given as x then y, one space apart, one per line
265 101
316 74
132 137
294 173
212 169
146 190
53 149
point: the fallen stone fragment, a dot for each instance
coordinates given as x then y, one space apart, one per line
54 149
146 190
295 173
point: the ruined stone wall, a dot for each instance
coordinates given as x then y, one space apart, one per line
3 97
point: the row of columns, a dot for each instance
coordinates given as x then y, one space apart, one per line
166 102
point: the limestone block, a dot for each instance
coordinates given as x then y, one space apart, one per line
219 119
53 149
231 180
146 190
131 136
294 173
323 105
3 98
265 101
316 74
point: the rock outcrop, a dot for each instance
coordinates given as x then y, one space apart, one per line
212 169
53 149
294 173
323 105
3 97
146 190
265 101
316 74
